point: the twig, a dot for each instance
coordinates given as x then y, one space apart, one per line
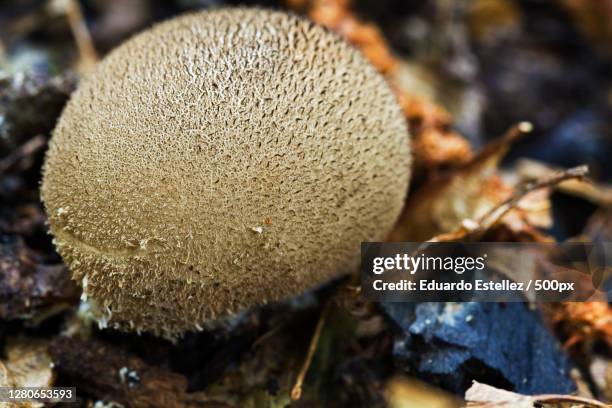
498 212
267 335
472 230
26 150
557 398
296 391
597 193
87 51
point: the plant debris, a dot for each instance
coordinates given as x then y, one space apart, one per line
482 395
113 375
27 364
29 289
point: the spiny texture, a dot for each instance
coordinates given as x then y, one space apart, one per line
218 161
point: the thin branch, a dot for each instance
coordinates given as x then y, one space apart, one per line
554 398
81 34
552 180
472 230
26 150
296 391
267 335
597 193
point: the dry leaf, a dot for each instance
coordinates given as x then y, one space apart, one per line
27 365
498 214
583 322
486 396
468 193
481 395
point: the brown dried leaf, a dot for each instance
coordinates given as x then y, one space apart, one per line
434 147
451 203
583 323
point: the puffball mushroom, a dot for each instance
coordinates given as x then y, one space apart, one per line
219 161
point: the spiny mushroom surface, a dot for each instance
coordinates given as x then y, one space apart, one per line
218 161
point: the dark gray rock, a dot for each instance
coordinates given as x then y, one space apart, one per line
502 344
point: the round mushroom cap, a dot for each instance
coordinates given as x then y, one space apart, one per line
219 161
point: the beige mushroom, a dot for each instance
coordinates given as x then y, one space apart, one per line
219 161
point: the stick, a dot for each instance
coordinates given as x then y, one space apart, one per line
296 391
578 172
87 51
27 150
